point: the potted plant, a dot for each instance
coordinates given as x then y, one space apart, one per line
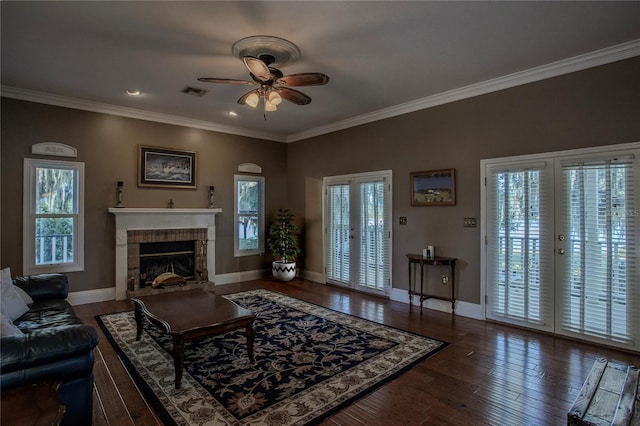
283 245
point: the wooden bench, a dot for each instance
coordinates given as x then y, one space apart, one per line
608 396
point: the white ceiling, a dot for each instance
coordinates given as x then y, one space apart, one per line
384 58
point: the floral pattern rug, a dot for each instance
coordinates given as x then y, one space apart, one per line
310 362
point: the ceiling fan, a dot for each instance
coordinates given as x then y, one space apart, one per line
273 85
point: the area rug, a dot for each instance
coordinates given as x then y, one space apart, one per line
310 362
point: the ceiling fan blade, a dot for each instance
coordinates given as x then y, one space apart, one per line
293 95
258 68
227 81
304 79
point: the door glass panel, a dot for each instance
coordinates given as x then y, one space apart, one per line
338 232
520 269
600 260
373 238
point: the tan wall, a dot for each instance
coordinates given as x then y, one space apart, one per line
108 146
599 106
595 107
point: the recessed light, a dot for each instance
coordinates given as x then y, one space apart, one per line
132 92
232 113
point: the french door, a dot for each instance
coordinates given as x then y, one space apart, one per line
357 225
561 245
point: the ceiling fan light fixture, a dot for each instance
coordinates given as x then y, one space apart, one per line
252 100
268 106
274 98
261 55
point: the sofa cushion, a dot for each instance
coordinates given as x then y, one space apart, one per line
11 303
47 314
44 286
47 345
7 328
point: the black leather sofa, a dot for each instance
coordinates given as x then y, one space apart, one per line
56 347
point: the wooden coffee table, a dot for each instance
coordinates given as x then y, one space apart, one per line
192 314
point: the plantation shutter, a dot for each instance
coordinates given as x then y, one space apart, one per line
520 244
600 263
375 241
337 234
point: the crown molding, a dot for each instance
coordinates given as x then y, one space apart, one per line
577 63
76 103
554 69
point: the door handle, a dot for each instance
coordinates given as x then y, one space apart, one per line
351 237
561 251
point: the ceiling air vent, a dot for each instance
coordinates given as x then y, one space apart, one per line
193 91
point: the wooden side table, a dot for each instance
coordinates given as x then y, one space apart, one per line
418 259
32 405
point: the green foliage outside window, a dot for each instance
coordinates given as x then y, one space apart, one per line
55 207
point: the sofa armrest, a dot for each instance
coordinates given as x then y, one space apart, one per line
44 286
46 345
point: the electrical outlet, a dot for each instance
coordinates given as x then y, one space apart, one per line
445 280
470 222
403 220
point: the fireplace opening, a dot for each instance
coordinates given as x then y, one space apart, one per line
167 256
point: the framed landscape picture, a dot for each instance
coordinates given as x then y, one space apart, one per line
433 188
168 168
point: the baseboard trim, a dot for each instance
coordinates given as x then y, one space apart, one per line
465 309
92 296
236 277
312 276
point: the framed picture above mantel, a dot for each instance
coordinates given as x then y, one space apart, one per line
166 168
433 188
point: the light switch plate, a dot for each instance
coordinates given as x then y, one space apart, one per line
403 220
470 222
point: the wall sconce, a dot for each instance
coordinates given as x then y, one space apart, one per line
211 196
119 194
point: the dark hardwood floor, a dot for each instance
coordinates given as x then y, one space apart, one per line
489 374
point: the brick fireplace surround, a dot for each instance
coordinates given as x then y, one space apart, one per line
138 225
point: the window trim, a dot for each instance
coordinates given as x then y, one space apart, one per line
29 217
236 222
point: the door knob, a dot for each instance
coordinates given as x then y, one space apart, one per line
561 251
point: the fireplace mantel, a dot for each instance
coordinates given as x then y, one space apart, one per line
134 219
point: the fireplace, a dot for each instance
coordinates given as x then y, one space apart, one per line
155 251
157 235
177 257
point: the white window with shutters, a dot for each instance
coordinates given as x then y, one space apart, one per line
249 227
53 206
